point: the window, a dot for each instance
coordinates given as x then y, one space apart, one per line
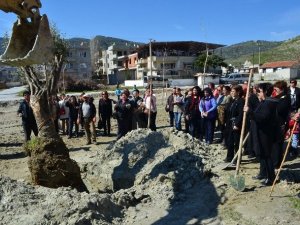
82 54
82 66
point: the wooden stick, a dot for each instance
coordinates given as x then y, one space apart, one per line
236 154
243 128
284 157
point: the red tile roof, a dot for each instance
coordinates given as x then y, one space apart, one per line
283 64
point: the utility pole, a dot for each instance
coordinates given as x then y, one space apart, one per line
163 92
150 82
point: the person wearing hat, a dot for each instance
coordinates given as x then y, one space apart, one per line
87 112
28 120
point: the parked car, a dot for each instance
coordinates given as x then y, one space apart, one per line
237 78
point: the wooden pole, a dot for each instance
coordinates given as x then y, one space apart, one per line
150 83
243 127
284 157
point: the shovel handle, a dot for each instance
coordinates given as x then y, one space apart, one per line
284 157
243 127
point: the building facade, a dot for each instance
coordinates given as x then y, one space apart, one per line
78 64
280 70
170 60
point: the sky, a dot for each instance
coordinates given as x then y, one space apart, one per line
215 21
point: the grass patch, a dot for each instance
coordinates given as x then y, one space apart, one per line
33 144
295 203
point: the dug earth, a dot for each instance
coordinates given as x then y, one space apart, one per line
158 178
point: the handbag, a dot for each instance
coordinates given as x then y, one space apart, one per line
100 124
62 111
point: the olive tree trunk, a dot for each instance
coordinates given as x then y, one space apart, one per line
49 160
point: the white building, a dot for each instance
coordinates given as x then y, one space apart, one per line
281 70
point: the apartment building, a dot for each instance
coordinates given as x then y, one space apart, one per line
171 60
113 63
78 64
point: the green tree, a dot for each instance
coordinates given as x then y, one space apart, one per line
213 61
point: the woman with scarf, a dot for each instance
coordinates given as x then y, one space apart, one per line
208 110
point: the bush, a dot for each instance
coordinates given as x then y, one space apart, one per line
79 85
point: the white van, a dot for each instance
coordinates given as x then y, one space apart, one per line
237 78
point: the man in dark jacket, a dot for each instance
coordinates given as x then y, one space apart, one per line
28 120
105 112
294 93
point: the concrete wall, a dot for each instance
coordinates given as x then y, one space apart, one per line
131 83
204 80
182 82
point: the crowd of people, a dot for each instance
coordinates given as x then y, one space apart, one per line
271 112
69 114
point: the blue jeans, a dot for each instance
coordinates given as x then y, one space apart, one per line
177 118
209 125
295 140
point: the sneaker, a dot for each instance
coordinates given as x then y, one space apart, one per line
258 177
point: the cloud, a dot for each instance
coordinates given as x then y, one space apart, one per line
282 35
178 27
291 17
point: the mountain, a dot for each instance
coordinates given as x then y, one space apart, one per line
104 42
1 45
237 54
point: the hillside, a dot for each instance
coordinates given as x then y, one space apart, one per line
269 51
1 45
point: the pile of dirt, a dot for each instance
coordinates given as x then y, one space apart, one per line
145 178
24 204
165 171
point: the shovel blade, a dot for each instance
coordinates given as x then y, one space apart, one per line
237 182
30 43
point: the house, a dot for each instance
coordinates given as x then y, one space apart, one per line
280 70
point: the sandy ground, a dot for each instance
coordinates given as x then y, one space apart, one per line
254 206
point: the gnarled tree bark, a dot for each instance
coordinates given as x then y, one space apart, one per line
49 163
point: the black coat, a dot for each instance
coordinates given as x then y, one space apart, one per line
105 107
263 117
74 110
124 110
191 107
27 113
234 113
283 109
295 105
92 110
